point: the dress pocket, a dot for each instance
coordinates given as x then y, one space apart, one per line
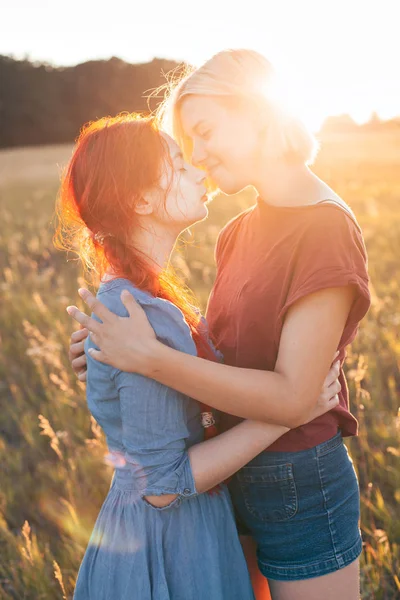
269 492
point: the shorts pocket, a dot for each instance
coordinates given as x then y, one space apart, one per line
269 492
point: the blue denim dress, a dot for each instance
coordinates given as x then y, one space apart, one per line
188 550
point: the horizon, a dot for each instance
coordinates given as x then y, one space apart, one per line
37 63
335 58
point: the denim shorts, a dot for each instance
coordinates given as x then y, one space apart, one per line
302 508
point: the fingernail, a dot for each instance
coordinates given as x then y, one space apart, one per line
80 291
69 309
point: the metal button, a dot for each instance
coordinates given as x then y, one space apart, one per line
186 491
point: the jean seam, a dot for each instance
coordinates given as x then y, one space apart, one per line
332 532
299 566
296 572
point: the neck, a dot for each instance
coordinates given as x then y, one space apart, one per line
156 244
287 184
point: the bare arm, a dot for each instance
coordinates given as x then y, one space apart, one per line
311 333
288 394
216 459
220 457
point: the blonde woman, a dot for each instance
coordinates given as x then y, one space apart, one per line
291 289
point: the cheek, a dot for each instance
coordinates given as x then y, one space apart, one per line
178 204
166 207
241 142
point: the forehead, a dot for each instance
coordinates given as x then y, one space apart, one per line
194 109
172 145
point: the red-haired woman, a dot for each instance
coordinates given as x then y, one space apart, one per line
125 197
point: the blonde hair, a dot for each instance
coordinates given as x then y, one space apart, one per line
246 76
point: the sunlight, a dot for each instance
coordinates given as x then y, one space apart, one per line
335 65
297 102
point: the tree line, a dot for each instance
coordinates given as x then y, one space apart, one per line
43 104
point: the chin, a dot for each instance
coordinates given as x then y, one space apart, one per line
203 214
229 187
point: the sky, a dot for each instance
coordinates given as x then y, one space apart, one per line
335 57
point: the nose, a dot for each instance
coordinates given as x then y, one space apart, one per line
200 176
198 154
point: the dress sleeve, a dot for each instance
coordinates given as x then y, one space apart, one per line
154 423
154 437
331 253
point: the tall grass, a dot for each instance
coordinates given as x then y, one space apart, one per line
53 476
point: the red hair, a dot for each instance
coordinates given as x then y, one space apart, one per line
115 160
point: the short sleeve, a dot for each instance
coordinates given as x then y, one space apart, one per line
331 253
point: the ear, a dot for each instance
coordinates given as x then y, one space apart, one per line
145 204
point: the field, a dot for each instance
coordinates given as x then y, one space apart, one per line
53 478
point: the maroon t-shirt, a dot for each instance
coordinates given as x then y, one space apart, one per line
267 259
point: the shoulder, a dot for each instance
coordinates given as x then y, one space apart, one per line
166 319
333 222
330 240
110 295
334 213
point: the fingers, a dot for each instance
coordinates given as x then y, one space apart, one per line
88 322
333 374
77 349
333 401
79 363
129 302
95 339
98 355
335 388
330 395
331 391
79 335
96 306
82 376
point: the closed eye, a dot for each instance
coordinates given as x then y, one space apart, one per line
205 134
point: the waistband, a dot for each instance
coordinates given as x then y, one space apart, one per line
126 480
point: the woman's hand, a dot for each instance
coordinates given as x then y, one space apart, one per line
329 397
76 354
126 343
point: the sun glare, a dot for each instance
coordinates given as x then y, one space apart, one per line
283 93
